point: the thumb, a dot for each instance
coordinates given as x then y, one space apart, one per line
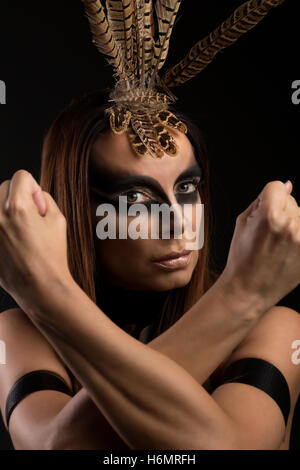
51 206
40 201
289 186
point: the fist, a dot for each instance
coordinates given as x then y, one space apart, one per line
264 256
33 237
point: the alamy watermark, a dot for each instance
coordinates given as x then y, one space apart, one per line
296 93
296 354
160 219
2 92
2 352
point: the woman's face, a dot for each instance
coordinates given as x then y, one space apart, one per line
115 170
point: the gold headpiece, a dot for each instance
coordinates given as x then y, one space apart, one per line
138 47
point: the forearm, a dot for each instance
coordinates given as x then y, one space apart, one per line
80 425
147 398
199 342
208 332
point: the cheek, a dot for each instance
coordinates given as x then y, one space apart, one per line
125 262
123 255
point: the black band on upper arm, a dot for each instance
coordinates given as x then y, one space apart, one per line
263 375
32 382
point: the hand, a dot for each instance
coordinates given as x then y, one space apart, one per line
264 256
33 237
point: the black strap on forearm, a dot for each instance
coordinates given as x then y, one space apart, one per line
263 375
33 382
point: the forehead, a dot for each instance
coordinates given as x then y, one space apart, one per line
113 153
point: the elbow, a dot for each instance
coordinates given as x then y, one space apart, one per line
221 436
33 441
58 441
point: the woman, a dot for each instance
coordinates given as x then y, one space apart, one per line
69 285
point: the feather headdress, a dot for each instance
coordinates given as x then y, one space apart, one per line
136 43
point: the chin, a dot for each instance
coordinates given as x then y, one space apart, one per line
171 280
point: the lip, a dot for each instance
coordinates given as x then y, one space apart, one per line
175 260
172 255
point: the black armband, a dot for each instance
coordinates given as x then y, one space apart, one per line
33 382
263 375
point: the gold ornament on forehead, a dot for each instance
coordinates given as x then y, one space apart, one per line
137 44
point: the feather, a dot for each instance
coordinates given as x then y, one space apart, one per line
120 15
140 33
149 32
137 46
119 119
203 52
103 37
152 134
166 11
147 136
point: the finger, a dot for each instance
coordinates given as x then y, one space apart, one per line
40 201
289 186
250 211
4 190
252 208
51 206
292 202
292 208
275 194
21 190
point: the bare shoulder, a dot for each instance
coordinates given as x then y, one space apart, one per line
26 349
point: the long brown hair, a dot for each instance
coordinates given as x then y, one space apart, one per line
64 174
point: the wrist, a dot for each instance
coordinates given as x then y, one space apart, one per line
248 306
47 293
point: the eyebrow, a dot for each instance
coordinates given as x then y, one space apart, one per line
111 182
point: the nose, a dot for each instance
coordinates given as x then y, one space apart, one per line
177 220
170 221
185 222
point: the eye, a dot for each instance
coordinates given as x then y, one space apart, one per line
132 197
189 186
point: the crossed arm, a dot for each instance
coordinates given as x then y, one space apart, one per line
151 394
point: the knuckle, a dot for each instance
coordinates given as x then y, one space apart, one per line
238 222
239 218
292 227
5 183
16 207
292 204
60 218
274 184
272 217
22 173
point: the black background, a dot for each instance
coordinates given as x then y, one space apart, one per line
242 101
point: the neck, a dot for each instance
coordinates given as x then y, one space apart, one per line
127 307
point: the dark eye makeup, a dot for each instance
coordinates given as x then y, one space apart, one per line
180 195
114 185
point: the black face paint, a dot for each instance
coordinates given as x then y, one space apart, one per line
124 183
190 198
